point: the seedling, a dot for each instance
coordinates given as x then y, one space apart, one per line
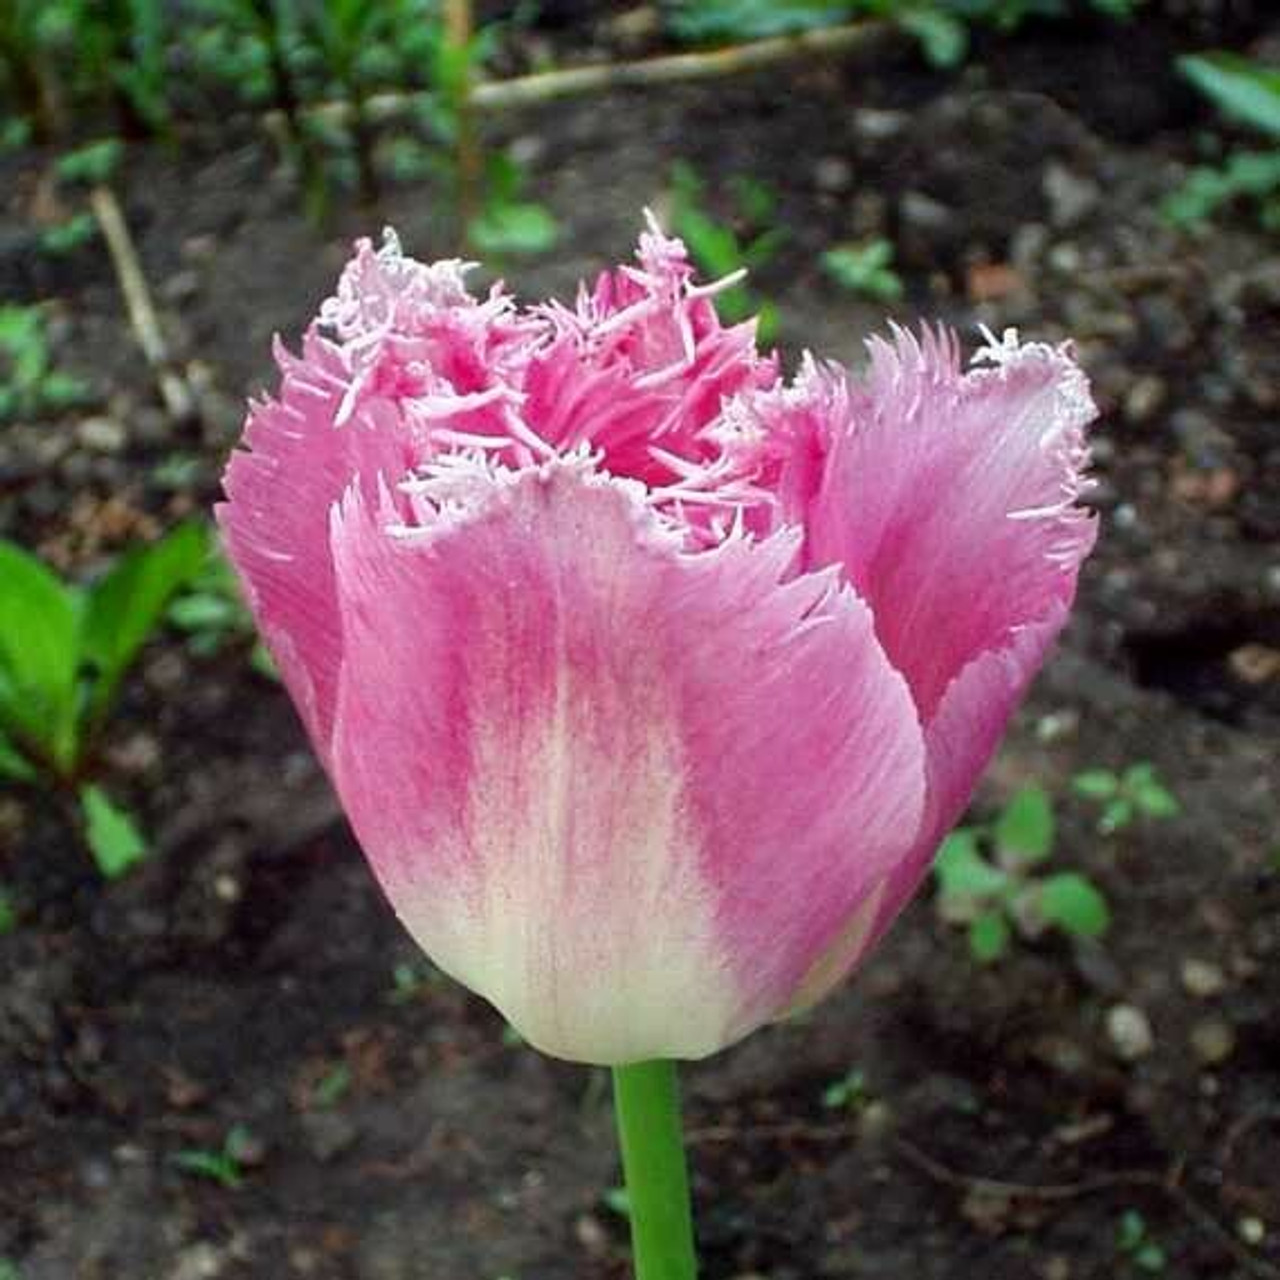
849 1093
225 1165
508 224
29 384
212 613
1248 93
865 269
1134 1241
720 249
332 1086
1137 791
986 881
64 652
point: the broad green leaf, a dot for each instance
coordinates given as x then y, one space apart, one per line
1024 830
963 872
989 937
1074 904
1246 90
127 605
113 838
1096 784
38 657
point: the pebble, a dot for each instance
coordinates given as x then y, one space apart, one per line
102 435
328 1134
1202 979
1213 1041
1130 1032
833 174
1145 398
1071 198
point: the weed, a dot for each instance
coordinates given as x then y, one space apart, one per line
986 881
1137 791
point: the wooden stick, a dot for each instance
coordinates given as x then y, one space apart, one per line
678 68
174 390
459 27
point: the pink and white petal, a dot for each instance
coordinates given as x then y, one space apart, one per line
628 794
275 519
960 741
950 499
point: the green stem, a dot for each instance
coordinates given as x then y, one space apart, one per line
647 1101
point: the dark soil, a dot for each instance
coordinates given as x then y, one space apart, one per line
250 974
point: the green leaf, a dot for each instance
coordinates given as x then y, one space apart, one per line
13 764
90 164
1156 801
1024 831
963 872
8 923
1096 784
1245 90
114 840
942 36
989 937
1117 814
520 228
127 605
1074 904
38 657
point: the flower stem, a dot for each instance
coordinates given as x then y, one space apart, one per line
647 1101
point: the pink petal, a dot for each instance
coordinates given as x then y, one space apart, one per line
960 741
602 780
950 499
275 520
397 338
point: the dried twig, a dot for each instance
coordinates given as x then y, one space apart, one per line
550 86
174 390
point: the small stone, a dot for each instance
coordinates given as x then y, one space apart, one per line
1202 979
1071 198
329 1134
1251 1230
181 287
1213 1041
101 435
1130 1032
923 213
200 1262
1145 398
879 126
833 174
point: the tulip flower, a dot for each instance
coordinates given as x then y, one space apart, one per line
650 681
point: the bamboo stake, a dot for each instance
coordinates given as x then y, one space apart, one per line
174 390
459 30
678 68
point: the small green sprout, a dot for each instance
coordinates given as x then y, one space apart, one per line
849 1093
720 249
225 1165
29 384
213 615
332 1087
508 224
409 981
865 269
1137 791
986 881
1135 1242
617 1201
8 923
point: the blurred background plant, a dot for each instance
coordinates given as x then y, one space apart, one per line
64 653
1247 93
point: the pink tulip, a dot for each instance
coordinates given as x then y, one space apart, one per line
650 683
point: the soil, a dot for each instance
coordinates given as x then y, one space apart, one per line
1008 1118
